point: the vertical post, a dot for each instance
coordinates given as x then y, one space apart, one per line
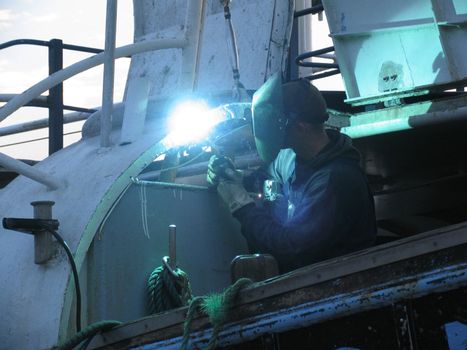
173 246
43 241
109 67
190 56
304 27
55 98
292 72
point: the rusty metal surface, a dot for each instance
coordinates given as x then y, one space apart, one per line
393 272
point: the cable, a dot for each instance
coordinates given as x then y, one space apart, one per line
75 273
38 139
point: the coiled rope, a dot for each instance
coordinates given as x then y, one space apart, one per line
168 288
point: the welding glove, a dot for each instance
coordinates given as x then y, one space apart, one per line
233 194
220 168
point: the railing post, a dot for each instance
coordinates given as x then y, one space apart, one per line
109 66
55 98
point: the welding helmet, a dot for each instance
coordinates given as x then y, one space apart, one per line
276 104
267 117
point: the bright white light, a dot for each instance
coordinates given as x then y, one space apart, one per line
191 122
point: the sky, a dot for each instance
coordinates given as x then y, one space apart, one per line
79 23
75 22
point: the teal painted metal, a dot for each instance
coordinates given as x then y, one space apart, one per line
398 46
405 122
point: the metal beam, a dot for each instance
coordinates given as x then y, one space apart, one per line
30 172
40 100
41 123
406 123
190 57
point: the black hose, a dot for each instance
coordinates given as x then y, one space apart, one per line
75 273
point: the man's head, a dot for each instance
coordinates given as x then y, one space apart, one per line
303 102
305 111
285 115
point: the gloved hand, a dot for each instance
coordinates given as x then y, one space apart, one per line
217 169
233 194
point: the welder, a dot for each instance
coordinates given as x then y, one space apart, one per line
323 206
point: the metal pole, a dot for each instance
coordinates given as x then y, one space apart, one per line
55 98
109 70
173 246
43 123
30 172
38 101
193 28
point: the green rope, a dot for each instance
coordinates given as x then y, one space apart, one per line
87 333
166 291
217 307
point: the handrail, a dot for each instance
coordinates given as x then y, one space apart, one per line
85 64
47 43
54 101
31 172
41 101
299 60
58 77
42 123
312 10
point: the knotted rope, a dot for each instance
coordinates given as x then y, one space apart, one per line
217 307
87 334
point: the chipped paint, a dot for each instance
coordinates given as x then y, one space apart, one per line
337 306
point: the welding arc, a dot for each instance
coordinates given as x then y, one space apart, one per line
201 153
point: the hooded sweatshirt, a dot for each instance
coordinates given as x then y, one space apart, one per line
327 210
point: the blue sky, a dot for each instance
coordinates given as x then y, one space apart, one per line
75 22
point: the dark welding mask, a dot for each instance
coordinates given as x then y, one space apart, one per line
276 104
268 118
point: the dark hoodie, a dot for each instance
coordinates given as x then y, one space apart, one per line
330 209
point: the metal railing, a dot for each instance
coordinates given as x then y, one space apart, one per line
300 59
54 101
189 43
309 11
